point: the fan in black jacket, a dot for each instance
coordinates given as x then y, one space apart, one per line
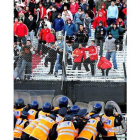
31 25
81 36
51 57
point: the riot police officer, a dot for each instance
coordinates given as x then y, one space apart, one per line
19 105
63 102
46 110
33 111
113 120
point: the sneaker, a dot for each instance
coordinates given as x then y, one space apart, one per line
17 78
115 70
55 74
88 72
50 73
46 65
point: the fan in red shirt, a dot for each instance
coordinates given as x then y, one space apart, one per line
42 40
125 11
15 26
43 33
98 19
103 11
74 7
120 22
79 56
21 32
93 56
50 37
42 11
104 64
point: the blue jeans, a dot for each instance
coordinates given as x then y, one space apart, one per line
23 66
31 36
113 55
58 66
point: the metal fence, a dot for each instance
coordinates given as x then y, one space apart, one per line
57 64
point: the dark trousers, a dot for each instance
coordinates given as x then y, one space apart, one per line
23 39
103 72
17 139
41 45
75 65
99 42
81 139
32 138
48 59
24 136
110 21
92 63
69 61
110 138
15 38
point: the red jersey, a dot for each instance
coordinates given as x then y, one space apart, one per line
43 33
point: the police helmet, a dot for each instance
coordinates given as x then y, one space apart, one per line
109 110
63 101
82 113
97 108
63 111
19 103
68 117
74 109
34 105
47 107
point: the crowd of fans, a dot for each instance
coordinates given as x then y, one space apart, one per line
48 20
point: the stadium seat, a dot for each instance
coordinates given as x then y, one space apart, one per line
47 98
25 96
56 101
37 98
102 103
83 105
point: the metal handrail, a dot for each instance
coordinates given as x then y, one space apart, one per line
124 56
64 75
124 45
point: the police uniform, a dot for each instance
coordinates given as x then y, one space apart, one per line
17 112
91 130
65 131
28 130
43 128
111 123
61 113
42 113
33 114
110 126
19 126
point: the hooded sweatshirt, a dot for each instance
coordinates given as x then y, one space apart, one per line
103 11
74 7
97 20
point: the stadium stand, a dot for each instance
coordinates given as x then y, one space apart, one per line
39 71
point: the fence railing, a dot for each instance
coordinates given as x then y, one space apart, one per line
44 66
124 55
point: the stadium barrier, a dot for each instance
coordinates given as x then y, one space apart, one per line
40 71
